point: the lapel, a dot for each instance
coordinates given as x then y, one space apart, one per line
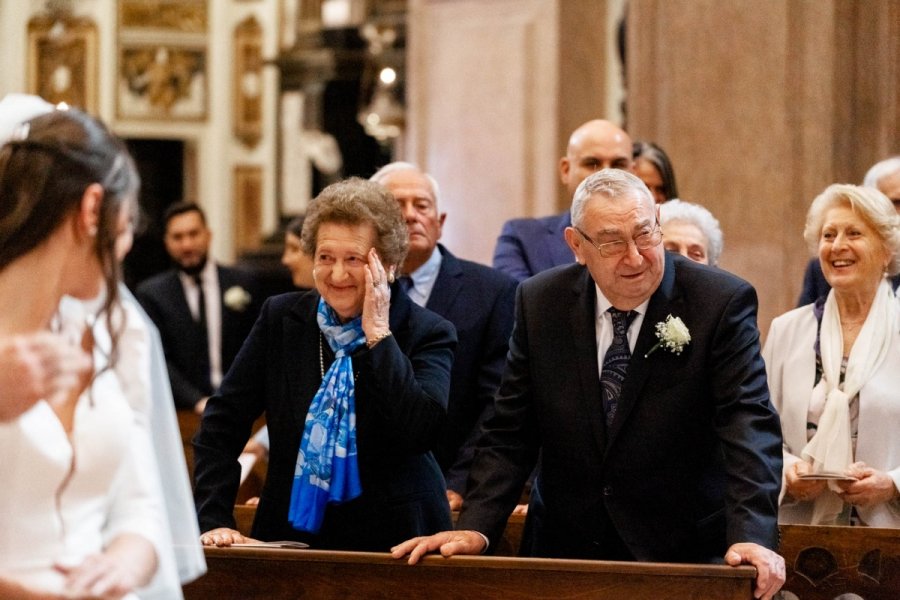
556 244
447 285
665 300
225 282
583 332
300 349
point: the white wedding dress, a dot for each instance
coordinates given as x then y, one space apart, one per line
65 498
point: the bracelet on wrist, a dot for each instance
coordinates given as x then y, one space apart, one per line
371 343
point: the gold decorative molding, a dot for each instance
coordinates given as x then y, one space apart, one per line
62 60
248 84
181 16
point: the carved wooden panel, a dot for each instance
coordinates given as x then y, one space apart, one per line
162 60
825 562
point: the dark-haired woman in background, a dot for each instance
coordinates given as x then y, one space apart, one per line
654 168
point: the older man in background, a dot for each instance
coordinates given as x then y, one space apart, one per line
478 301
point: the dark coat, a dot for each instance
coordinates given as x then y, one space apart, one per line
162 297
528 246
690 465
401 399
479 301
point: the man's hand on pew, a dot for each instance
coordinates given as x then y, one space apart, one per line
448 542
224 537
770 571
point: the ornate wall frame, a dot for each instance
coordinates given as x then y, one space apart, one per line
248 191
162 60
248 84
62 60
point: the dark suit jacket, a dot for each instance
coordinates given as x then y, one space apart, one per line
401 399
479 301
162 296
528 246
815 285
692 461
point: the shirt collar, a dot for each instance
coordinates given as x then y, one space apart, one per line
427 273
603 304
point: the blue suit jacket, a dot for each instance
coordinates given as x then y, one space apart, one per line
401 399
692 461
528 246
162 297
479 301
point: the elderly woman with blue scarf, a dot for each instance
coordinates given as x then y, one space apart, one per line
834 369
353 379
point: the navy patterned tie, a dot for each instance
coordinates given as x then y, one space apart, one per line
202 337
406 283
615 362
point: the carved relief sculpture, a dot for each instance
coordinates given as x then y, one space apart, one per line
162 59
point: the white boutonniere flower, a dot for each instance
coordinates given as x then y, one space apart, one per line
237 298
673 335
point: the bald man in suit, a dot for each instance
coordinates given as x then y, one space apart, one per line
528 246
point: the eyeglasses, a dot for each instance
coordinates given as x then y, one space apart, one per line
643 241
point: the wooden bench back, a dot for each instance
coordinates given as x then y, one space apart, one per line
825 562
822 562
320 575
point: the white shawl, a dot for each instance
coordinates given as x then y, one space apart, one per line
830 449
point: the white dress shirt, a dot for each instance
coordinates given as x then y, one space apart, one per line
424 277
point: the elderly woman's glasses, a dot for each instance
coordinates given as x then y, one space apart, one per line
642 241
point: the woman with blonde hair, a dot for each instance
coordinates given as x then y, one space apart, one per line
834 369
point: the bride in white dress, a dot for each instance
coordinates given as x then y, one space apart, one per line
79 517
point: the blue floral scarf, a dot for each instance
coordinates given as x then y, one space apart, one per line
327 469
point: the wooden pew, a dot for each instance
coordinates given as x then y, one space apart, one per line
188 423
289 574
822 562
825 562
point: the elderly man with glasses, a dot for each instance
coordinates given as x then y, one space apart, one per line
636 376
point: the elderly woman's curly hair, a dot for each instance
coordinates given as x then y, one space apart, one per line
355 201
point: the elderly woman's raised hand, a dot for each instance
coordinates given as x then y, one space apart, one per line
803 489
377 303
870 488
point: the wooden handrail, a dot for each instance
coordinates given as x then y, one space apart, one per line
277 573
822 562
